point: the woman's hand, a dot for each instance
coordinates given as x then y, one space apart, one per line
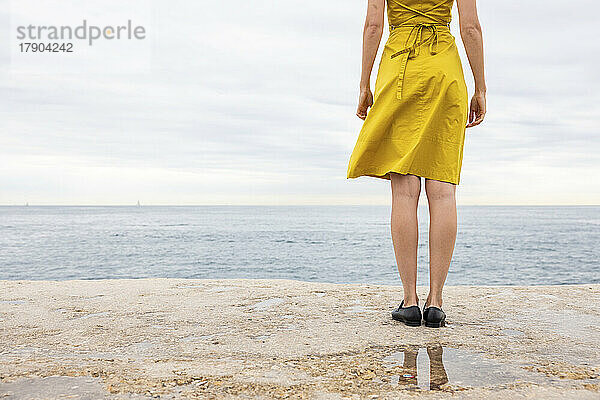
477 110
365 100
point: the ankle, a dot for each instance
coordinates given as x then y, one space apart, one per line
435 301
410 301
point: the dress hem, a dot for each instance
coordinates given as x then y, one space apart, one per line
386 175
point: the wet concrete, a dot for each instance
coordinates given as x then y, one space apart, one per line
54 387
287 339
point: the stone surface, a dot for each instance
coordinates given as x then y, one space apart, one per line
177 338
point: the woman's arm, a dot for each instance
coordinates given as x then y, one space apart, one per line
470 32
371 39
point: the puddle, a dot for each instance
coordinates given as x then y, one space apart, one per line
263 305
13 301
435 368
52 387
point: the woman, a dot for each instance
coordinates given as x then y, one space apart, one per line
416 129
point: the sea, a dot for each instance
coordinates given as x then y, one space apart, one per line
496 245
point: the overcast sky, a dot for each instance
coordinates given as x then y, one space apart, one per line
253 102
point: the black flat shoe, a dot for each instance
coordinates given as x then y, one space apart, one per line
410 316
434 317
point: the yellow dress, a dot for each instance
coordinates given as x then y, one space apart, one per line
417 122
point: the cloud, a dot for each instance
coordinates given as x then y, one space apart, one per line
253 102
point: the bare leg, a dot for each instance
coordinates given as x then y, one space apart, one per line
437 372
409 367
405 231
442 235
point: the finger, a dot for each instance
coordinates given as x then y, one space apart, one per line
477 121
480 119
363 117
471 122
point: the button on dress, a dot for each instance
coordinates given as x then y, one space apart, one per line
417 122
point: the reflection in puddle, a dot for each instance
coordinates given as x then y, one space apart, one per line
408 365
439 366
